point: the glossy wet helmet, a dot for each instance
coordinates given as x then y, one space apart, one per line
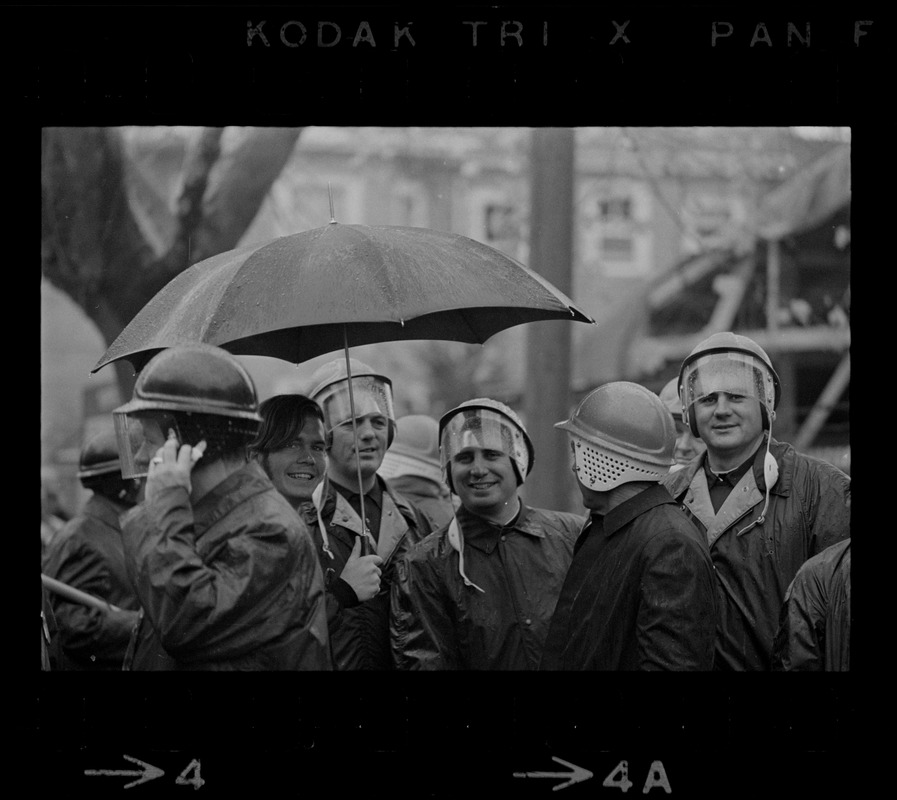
487 424
741 362
619 433
371 393
198 390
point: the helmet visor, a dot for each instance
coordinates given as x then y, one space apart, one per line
371 396
487 430
133 449
731 373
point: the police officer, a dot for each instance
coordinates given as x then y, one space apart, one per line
87 554
358 557
478 594
763 508
224 567
640 593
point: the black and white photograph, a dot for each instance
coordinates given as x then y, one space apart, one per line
450 357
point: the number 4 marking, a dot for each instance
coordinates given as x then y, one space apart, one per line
621 782
196 781
619 778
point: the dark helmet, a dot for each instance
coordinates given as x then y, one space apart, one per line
100 469
200 390
739 349
99 456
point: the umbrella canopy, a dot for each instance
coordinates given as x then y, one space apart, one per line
314 292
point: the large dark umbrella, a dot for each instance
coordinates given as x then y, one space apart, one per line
303 295
322 290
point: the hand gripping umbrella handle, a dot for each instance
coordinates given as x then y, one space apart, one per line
76 595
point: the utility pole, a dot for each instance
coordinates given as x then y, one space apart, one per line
547 388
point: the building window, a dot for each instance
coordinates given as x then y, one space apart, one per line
709 222
500 222
617 248
615 209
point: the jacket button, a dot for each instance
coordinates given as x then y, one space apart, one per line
504 538
528 621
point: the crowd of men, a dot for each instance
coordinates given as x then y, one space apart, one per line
317 531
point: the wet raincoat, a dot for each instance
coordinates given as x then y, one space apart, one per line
88 554
814 627
231 583
359 632
440 623
809 510
639 595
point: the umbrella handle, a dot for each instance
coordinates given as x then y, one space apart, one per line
367 540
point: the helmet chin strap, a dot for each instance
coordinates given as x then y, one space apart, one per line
317 501
770 476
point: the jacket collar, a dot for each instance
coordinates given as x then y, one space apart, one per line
330 500
620 516
103 509
485 535
678 482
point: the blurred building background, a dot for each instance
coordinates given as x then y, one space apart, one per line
677 232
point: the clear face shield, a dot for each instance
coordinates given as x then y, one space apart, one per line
729 372
371 395
134 450
487 430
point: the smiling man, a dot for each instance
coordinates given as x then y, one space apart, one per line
359 559
291 446
764 508
479 592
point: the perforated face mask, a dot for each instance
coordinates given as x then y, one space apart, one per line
371 395
730 372
602 469
487 430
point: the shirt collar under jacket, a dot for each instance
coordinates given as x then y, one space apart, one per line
375 495
734 475
485 535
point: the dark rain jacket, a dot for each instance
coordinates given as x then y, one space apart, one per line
359 632
231 583
440 623
809 510
814 626
431 499
639 595
88 554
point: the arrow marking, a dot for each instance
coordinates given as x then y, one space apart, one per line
579 774
148 773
